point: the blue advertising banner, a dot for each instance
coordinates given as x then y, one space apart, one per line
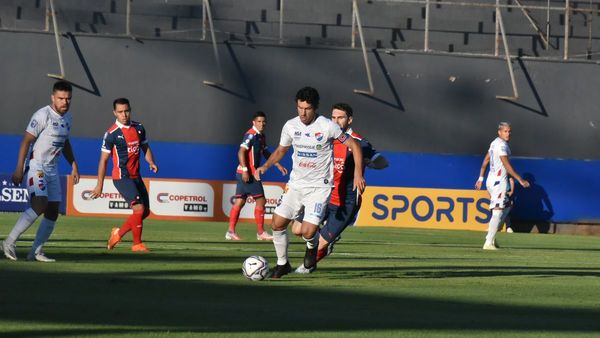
14 198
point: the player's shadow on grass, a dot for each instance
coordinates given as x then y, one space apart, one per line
532 208
150 302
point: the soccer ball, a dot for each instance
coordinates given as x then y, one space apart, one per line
255 268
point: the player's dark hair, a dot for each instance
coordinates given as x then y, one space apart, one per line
310 95
121 100
62 86
343 107
259 114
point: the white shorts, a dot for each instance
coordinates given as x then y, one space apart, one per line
314 201
43 182
498 196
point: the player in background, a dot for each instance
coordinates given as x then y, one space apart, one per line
48 136
311 179
344 203
497 181
253 146
123 142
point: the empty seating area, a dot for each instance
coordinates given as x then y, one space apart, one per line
453 27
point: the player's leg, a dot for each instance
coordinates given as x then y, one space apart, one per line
38 196
141 206
128 189
498 201
297 223
234 216
240 196
48 221
287 209
315 205
259 218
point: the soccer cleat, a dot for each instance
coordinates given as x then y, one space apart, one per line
232 236
489 246
304 270
9 251
310 258
509 230
40 257
140 247
114 238
281 270
264 236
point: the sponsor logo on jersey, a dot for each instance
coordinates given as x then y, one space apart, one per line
297 133
39 173
338 164
304 146
33 124
319 147
309 165
307 134
307 154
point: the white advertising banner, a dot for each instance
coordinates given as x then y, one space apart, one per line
272 194
182 199
110 202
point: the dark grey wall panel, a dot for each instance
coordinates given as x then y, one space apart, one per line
423 102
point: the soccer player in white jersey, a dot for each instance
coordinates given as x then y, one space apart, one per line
311 179
48 135
497 182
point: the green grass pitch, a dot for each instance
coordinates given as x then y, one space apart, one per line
379 282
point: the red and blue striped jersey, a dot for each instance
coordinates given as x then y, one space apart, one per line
343 166
256 143
124 143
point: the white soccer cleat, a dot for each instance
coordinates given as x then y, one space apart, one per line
265 236
232 236
489 246
40 257
9 251
302 270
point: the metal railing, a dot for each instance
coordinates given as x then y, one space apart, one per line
527 11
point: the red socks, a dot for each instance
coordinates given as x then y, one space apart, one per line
133 223
259 217
234 215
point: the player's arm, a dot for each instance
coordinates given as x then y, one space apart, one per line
70 157
359 180
242 159
275 157
511 171
282 169
373 158
484 164
102 164
28 139
149 157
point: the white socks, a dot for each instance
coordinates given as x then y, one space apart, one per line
280 241
23 223
493 226
42 235
311 243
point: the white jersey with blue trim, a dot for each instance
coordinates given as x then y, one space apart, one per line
498 172
51 131
313 151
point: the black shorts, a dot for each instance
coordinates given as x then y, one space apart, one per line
133 191
253 188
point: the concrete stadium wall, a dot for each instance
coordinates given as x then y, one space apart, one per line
423 103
